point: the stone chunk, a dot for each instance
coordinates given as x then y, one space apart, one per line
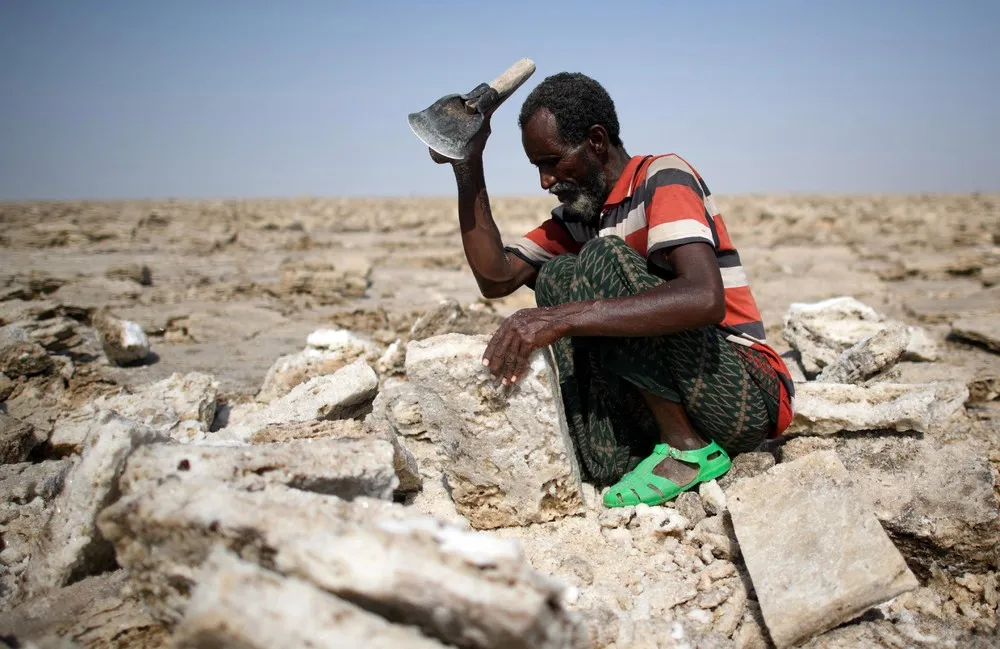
22 483
822 331
868 357
936 499
19 356
181 405
747 465
327 350
140 274
815 552
461 587
828 408
983 330
347 468
382 422
316 429
239 605
326 281
71 546
124 342
344 394
17 439
510 458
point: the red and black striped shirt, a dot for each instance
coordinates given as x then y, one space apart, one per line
658 203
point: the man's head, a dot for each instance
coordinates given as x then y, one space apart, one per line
570 131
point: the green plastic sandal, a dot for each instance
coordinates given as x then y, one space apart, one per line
641 485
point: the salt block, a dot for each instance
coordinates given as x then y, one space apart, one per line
510 458
816 553
239 604
829 408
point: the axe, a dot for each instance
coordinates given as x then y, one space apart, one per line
449 124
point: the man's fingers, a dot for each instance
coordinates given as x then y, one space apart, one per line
522 363
499 354
492 345
511 357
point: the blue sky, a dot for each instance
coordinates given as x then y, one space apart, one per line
222 98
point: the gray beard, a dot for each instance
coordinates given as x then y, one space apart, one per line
586 207
587 201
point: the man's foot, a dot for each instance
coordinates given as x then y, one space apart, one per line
647 484
676 471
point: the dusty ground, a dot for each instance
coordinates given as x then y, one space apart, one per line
233 285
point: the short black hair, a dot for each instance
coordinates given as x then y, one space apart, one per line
577 102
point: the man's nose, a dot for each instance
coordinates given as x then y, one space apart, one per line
547 180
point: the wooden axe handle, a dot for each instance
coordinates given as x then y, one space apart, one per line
512 79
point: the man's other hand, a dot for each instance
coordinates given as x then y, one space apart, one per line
509 350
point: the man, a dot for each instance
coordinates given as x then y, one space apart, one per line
659 345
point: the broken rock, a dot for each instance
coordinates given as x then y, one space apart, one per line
17 439
511 461
868 357
240 605
327 350
124 342
346 468
461 587
19 356
982 330
346 393
806 584
822 331
936 499
71 546
181 405
382 422
828 408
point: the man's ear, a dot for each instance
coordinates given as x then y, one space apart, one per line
598 140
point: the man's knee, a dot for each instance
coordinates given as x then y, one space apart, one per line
552 286
602 249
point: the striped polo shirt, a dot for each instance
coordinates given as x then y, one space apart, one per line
660 202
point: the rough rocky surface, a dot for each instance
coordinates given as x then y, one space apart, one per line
391 271
327 350
94 613
17 439
412 569
911 484
805 583
70 546
868 357
347 468
181 406
239 604
822 331
348 392
511 461
828 408
982 330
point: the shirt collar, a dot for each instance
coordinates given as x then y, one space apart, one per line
623 187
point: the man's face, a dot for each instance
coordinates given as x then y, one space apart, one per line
574 174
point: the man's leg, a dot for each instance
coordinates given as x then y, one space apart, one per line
596 413
697 385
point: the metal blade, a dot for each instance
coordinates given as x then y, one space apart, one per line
446 126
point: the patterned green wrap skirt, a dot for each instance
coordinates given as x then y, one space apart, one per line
728 391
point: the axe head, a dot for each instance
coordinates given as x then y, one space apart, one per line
448 125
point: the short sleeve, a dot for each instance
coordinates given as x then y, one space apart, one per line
545 242
675 206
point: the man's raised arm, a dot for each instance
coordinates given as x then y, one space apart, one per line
497 272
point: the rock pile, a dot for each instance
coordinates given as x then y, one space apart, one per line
393 496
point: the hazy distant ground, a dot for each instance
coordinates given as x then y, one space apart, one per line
235 284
